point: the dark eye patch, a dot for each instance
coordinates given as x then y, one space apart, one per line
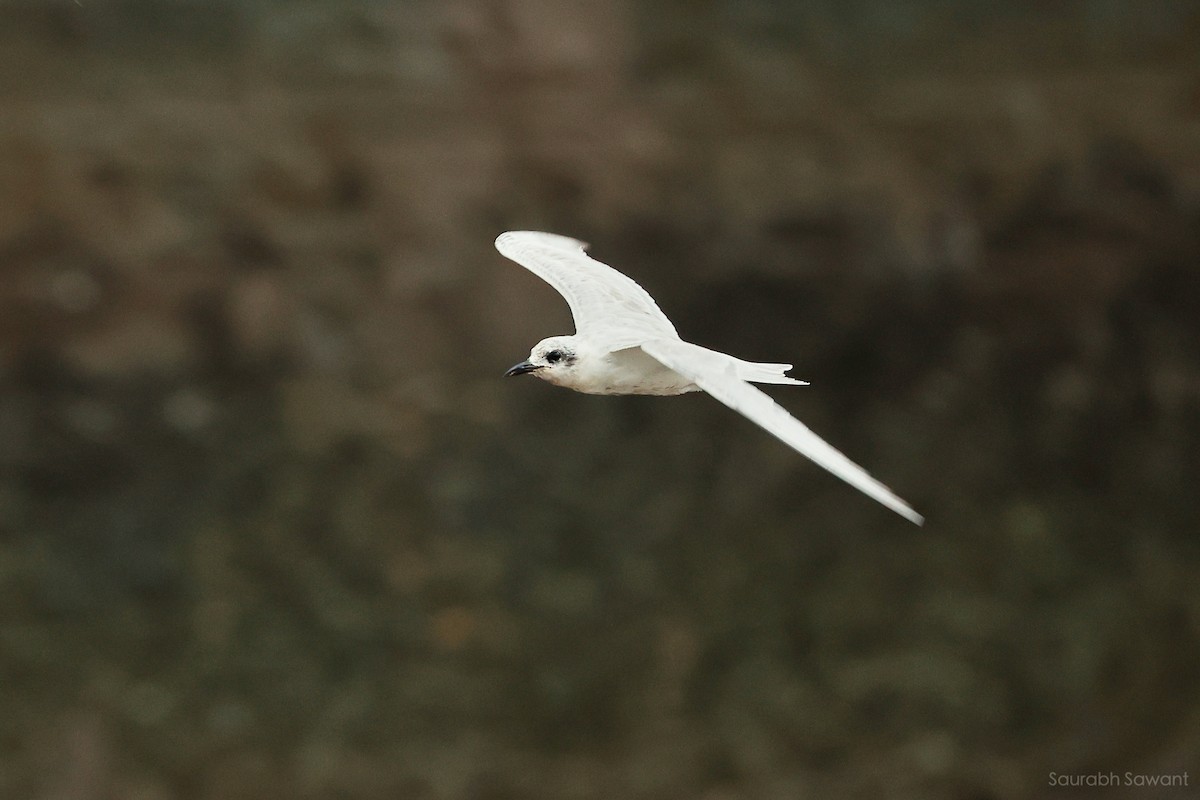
554 356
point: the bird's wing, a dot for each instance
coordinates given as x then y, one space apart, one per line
609 308
717 376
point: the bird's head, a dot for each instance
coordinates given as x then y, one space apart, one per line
554 360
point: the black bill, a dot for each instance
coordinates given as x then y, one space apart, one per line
521 369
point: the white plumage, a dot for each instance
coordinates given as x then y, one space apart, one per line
624 344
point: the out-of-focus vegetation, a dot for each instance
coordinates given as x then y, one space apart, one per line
272 525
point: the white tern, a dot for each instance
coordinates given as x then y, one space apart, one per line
624 344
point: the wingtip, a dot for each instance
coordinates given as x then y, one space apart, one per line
891 501
894 503
542 237
506 238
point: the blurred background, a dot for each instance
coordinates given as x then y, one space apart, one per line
272 524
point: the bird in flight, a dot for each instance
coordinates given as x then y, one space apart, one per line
624 344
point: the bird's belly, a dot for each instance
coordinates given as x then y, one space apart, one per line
678 385
633 372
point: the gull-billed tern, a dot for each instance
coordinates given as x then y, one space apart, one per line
624 344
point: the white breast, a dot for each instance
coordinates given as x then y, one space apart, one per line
628 371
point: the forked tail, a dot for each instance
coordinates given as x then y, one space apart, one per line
756 372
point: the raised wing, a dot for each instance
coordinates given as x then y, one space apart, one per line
717 376
609 308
